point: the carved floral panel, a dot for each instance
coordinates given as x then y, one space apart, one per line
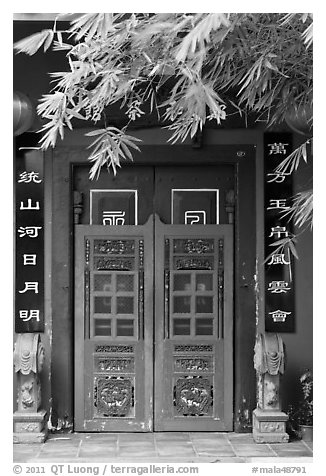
181 262
114 247
191 364
114 397
193 246
193 348
193 396
114 264
126 349
114 364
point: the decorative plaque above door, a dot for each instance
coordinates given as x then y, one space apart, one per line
113 207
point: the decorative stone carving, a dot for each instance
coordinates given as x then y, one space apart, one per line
29 357
272 426
269 354
268 419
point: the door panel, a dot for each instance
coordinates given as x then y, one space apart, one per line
193 327
113 328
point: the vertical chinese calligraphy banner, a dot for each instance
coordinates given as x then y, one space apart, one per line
279 284
29 278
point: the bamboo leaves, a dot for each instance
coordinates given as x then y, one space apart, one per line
33 43
301 211
258 62
200 34
92 25
110 145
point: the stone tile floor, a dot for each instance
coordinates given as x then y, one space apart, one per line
173 447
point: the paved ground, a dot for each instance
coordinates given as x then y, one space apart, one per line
159 447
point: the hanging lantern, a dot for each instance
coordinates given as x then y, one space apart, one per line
23 114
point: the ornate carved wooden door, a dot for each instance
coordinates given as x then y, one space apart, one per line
193 327
114 328
154 302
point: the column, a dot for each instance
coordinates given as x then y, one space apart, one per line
268 420
29 420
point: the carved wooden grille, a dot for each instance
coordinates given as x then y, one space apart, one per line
114 396
193 364
193 396
193 348
128 349
114 381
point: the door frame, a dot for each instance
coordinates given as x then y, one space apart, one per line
243 158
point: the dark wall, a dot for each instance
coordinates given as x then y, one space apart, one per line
30 73
299 345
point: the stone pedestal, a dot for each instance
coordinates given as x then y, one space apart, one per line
268 419
30 427
269 426
30 423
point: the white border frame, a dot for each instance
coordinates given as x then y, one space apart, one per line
216 190
110 191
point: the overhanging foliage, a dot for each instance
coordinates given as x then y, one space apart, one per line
258 63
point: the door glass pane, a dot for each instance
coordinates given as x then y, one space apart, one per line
125 305
181 304
103 282
204 304
102 305
204 326
181 327
181 282
125 282
125 327
102 327
204 282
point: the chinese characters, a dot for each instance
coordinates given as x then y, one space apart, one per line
278 278
29 246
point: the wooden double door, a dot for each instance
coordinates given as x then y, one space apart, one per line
154 300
